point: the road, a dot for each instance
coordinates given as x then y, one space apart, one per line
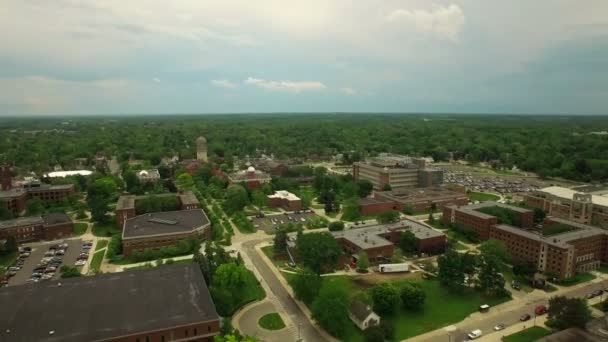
508 314
308 331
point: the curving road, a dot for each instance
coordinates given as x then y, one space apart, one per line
308 332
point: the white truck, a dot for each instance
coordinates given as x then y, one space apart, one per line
475 334
393 268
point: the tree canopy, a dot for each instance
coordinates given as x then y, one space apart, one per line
318 251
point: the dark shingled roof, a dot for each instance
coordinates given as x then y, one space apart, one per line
360 310
168 222
105 306
56 218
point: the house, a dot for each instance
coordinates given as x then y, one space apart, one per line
362 315
148 176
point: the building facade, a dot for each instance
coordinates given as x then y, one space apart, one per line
251 178
397 172
28 229
284 199
418 199
148 176
126 205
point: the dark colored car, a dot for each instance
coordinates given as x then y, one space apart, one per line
524 317
540 310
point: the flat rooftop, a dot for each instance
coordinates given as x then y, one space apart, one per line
21 221
420 194
187 198
472 209
12 193
105 306
370 236
169 222
284 195
568 194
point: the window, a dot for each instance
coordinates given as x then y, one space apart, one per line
195 331
147 339
162 338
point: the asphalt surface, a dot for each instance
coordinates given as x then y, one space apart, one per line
38 250
487 321
308 331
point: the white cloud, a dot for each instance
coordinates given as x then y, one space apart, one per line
224 84
348 91
286 86
443 21
156 79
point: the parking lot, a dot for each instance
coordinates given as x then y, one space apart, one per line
38 253
270 223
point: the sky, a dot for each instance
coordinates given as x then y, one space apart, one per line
85 57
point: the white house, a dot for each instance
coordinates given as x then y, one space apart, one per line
148 176
362 315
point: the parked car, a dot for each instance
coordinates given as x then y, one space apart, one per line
590 295
499 327
474 334
524 317
63 246
598 292
540 310
515 285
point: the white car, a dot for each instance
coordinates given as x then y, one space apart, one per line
80 263
499 327
474 334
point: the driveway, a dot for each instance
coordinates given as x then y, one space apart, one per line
247 319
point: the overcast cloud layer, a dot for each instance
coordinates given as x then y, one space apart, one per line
114 57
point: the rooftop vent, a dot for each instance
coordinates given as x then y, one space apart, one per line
51 332
58 284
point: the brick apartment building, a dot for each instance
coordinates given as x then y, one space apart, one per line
154 230
585 205
397 172
160 304
284 199
419 199
125 207
14 199
470 217
28 229
579 248
378 241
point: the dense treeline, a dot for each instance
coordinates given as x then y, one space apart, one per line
550 145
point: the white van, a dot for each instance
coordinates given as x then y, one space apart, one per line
475 334
484 308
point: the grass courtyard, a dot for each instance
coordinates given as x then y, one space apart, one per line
576 279
80 228
482 197
104 229
96 261
527 335
271 321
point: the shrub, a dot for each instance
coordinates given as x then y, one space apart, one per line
336 226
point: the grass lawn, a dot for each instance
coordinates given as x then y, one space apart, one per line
101 244
279 262
527 335
271 321
80 228
251 292
104 229
458 246
557 229
482 196
603 268
97 259
318 206
576 279
6 261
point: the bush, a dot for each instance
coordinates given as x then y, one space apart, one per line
386 298
336 226
69 272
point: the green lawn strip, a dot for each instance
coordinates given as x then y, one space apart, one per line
576 279
271 321
251 292
482 196
603 268
527 335
104 230
80 228
101 244
6 261
458 246
97 259
557 229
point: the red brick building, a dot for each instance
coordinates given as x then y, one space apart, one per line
160 304
284 199
379 241
27 229
125 207
251 178
418 199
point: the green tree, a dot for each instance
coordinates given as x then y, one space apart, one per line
330 307
99 196
336 226
497 249
523 268
388 217
385 297
236 199
397 256
34 207
539 215
412 296
69 272
489 279
230 276
10 246
408 242
184 182
258 198
5 214
131 181
350 210
373 334
365 187
306 285
451 273
280 241
567 312
318 251
362 262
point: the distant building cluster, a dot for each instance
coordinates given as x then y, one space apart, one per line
251 178
574 247
14 198
396 171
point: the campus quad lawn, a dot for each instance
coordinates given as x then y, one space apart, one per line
101 244
80 228
576 279
271 321
441 308
530 334
482 196
97 259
